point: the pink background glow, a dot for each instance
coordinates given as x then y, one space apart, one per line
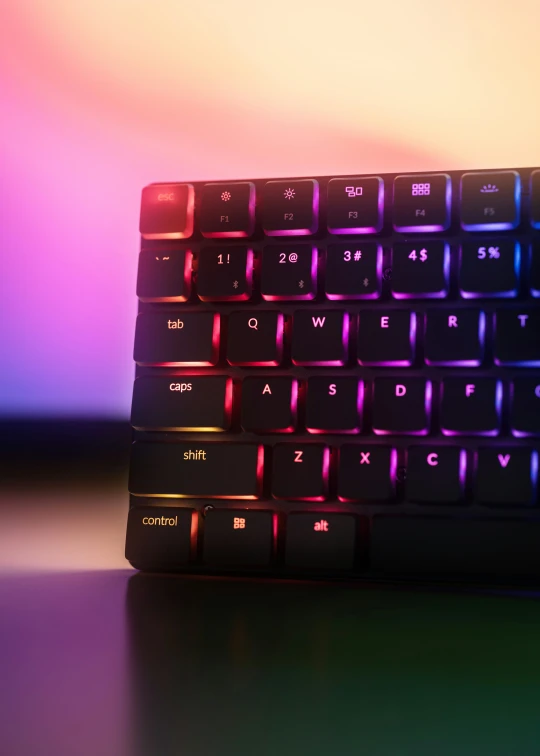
100 98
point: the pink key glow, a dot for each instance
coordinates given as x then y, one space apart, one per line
423 431
350 431
367 229
431 294
237 234
463 363
243 296
215 349
345 342
303 231
489 433
371 295
400 363
325 474
309 295
279 345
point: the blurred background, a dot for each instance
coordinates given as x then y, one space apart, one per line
99 99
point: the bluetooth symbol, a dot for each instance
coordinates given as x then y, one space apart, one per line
235 284
358 255
301 284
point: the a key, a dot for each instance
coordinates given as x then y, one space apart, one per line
534 278
228 210
334 405
490 201
436 475
489 269
353 271
320 540
238 537
386 337
164 276
196 469
507 476
535 199
471 406
159 537
290 208
367 473
517 337
422 203
355 205
300 472
454 337
173 339
434 546
225 273
401 405
320 337
525 415
167 211
290 273
182 402
269 404
255 338
420 271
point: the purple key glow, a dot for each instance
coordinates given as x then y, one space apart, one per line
309 295
400 363
497 226
431 294
371 295
345 342
433 228
462 468
303 231
499 294
463 363
534 471
366 229
359 406
498 409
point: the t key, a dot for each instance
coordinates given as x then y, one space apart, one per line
401 405
386 337
471 406
489 269
255 338
517 337
320 338
225 273
290 274
300 472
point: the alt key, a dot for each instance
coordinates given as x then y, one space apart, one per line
320 541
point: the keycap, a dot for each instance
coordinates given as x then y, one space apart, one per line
454 337
159 536
507 476
300 471
320 337
269 404
517 337
334 405
227 209
490 201
225 274
422 203
175 339
290 208
435 546
289 273
489 268
367 473
471 406
238 537
164 276
534 276
436 474
182 402
401 405
420 271
320 540
525 412
355 205
167 211
353 271
196 469
535 199
255 338
386 337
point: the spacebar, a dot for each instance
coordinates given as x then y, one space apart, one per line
194 469
438 546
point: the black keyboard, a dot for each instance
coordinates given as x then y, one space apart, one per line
339 376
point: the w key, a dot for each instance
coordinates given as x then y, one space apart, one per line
320 338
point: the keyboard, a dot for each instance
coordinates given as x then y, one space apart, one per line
339 377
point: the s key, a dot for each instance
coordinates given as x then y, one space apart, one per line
174 339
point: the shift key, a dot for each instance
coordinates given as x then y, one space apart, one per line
170 339
197 470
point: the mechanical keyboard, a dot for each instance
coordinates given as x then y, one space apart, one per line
339 377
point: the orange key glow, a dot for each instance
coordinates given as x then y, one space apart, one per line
167 211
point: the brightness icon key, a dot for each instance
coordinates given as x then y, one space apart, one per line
490 201
228 210
290 208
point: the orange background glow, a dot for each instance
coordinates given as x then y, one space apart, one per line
100 98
